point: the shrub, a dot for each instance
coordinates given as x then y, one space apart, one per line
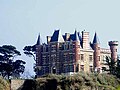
4 85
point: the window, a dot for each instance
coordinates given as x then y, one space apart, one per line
53 48
91 68
65 46
98 70
98 58
98 48
44 48
104 59
82 57
90 58
70 46
103 69
71 68
47 69
65 57
71 57
77 68
82 67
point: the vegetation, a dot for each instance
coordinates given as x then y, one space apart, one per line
4 85
114 67
81 81
8 65
30 51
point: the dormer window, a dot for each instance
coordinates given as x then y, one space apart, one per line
44 48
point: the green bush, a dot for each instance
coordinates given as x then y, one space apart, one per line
4 85
80 81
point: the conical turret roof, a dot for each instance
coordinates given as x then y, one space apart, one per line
95 39
76 37
38 40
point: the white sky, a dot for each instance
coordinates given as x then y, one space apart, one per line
22 20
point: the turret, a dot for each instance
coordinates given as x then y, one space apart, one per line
38 51
114 48
96 48
76 43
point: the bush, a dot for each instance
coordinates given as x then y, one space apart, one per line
79 81
4 85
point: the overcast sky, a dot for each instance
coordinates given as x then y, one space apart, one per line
22 20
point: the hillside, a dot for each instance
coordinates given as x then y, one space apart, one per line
80 81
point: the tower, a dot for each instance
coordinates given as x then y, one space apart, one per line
76 43
38 55
113 47
96 55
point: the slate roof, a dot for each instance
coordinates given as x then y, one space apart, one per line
76 37
80 38
57 37
38 40
95 39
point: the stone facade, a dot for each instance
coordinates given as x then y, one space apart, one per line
72 53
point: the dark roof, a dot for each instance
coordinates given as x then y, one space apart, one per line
95 39
64 37
38 40
56 37
80 38
75 37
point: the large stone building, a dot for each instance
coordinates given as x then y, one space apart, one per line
71 53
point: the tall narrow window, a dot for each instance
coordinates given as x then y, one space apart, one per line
82 57
82 67
90 58
77 68
91 68
98 58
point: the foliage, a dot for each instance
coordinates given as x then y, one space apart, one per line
30 51
114 67
81 81
9 66
4 85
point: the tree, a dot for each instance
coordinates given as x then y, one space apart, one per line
18 67
112 65
9 66
30 51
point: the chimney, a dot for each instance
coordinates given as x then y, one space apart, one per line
48 39
67 35
85 39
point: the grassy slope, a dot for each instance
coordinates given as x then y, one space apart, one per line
80 81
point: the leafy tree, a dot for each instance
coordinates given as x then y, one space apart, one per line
118 68
18 67
30 51
114 67
9 66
